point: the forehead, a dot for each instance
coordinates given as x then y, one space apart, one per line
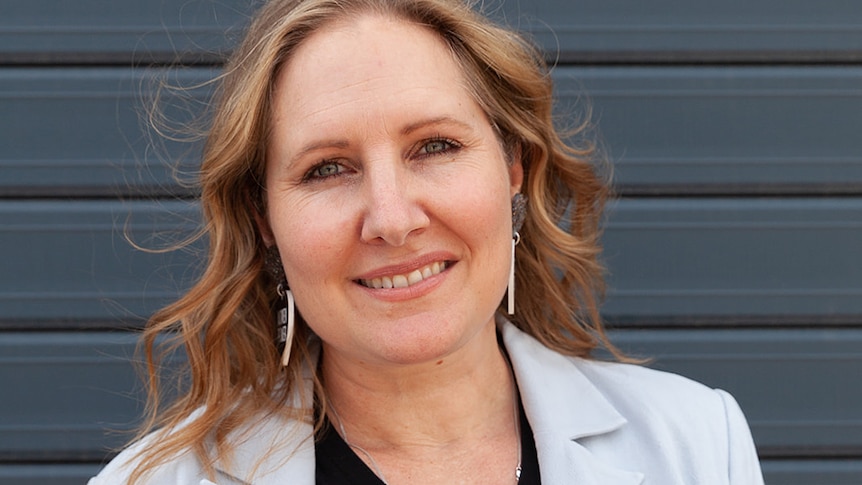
369 65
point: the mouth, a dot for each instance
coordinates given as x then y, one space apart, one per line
405 280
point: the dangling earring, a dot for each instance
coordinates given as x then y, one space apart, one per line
285 322
286 314
519 213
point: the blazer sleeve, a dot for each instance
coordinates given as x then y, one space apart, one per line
743 464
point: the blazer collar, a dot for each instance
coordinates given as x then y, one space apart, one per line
561 403
274 449
563 407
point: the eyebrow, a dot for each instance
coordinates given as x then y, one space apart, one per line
433 121
318 145
342 143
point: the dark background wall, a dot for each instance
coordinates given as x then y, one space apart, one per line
734 248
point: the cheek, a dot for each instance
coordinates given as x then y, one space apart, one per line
310 241
483 209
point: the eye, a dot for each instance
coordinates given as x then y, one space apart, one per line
324 170
436 146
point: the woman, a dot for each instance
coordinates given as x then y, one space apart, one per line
371 167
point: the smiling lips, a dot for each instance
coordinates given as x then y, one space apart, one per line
405 280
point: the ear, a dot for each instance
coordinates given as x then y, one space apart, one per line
263 226
516 172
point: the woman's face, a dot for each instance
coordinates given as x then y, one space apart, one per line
388 194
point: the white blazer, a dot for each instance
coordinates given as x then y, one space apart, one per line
594 423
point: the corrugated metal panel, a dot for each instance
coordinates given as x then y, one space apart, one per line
69 263
584 31
685 31
760 296
46 474
799 388
82 131
69 393
725 130
808 472
668 130
671 260
70 397
119 31
735 260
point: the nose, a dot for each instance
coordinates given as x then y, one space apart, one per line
393 210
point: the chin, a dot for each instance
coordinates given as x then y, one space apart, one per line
424 343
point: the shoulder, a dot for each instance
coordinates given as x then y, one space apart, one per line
637 393
633 417
628 385
660 401
266 450
689 429
184 468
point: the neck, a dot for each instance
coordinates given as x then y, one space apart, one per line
464 397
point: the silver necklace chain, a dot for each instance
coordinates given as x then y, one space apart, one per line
374 466
379 472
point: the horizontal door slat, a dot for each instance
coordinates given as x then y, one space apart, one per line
729 130
66 392
798 388
70 395
70 262
586 31
83 131
692 260
667 130
671 260
47 474
807 472
682 31
45 31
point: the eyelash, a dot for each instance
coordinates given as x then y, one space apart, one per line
311 175
450 145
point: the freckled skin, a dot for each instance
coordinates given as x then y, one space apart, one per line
379 157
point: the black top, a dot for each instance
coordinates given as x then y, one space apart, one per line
337 464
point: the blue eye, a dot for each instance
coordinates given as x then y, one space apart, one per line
437 145
325 170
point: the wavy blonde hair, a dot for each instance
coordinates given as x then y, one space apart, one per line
225 323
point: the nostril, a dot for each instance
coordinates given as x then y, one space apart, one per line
394 226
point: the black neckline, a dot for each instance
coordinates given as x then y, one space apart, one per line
337 464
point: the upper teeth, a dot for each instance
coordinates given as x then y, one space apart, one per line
405 280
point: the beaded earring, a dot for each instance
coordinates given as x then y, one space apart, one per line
285 321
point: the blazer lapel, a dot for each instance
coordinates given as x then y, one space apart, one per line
563 408
274 450
577 465
561 404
